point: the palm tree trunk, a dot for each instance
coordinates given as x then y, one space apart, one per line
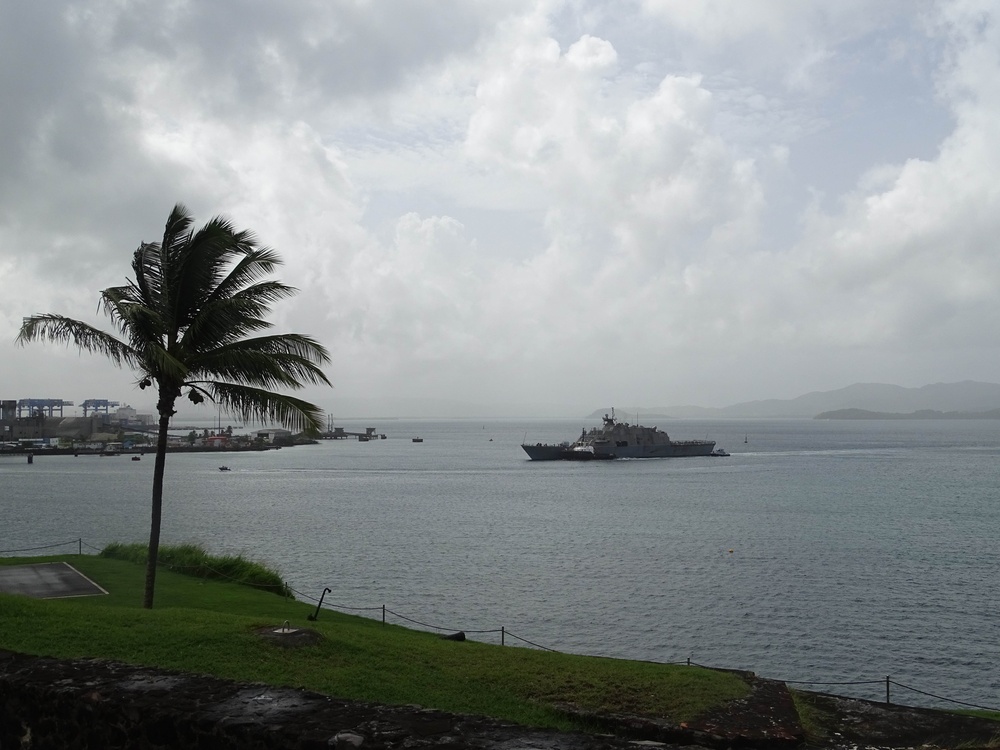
154 524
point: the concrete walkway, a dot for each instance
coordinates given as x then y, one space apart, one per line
55 580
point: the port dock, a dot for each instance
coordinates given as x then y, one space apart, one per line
339 433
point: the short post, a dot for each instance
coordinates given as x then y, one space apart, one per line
319 604
79 545
689 661
31 458
383 614
887 690
502 634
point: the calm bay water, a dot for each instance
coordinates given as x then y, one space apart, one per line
826 551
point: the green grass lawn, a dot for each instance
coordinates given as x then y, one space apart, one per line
209 627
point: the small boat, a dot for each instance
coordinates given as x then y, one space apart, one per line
719 452
587 453
136 458
418 440
223 468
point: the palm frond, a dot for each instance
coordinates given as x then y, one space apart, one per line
224 320
60 329
163 366
297 344
134 319
147 265
203 264
174 251
291 360
223 283
263 294
264 371
260 405
177 230
257 263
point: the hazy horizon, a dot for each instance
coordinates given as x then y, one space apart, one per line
403 409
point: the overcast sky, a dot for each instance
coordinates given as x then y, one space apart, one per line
550 206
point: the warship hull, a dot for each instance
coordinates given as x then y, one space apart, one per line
544 452
674 449
617 440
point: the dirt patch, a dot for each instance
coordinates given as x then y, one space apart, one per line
286 637
766 718
769 718
849 722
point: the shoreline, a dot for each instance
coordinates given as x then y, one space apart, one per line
144 451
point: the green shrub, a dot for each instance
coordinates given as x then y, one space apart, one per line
193 560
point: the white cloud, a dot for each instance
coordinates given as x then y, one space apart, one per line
528 201
913 245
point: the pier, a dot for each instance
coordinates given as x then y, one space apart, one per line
339 433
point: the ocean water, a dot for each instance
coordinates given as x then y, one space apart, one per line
818 551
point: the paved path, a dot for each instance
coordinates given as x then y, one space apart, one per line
53 580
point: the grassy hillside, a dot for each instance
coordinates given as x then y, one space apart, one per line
210 627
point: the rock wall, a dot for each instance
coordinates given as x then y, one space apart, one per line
48 703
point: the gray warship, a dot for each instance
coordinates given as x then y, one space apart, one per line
614 439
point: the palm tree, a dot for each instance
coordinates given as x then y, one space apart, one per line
191 320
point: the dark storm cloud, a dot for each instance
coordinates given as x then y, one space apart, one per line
44 72
68 159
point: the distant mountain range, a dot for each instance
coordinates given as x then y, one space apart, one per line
968 397
920 414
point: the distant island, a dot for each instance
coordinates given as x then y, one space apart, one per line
965 400
921 414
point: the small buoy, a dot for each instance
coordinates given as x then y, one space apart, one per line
730 552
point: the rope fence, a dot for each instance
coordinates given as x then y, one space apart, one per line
887 681
77 542
288 591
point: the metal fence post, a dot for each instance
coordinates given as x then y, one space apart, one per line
383 614
887 690
79 546
502 634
